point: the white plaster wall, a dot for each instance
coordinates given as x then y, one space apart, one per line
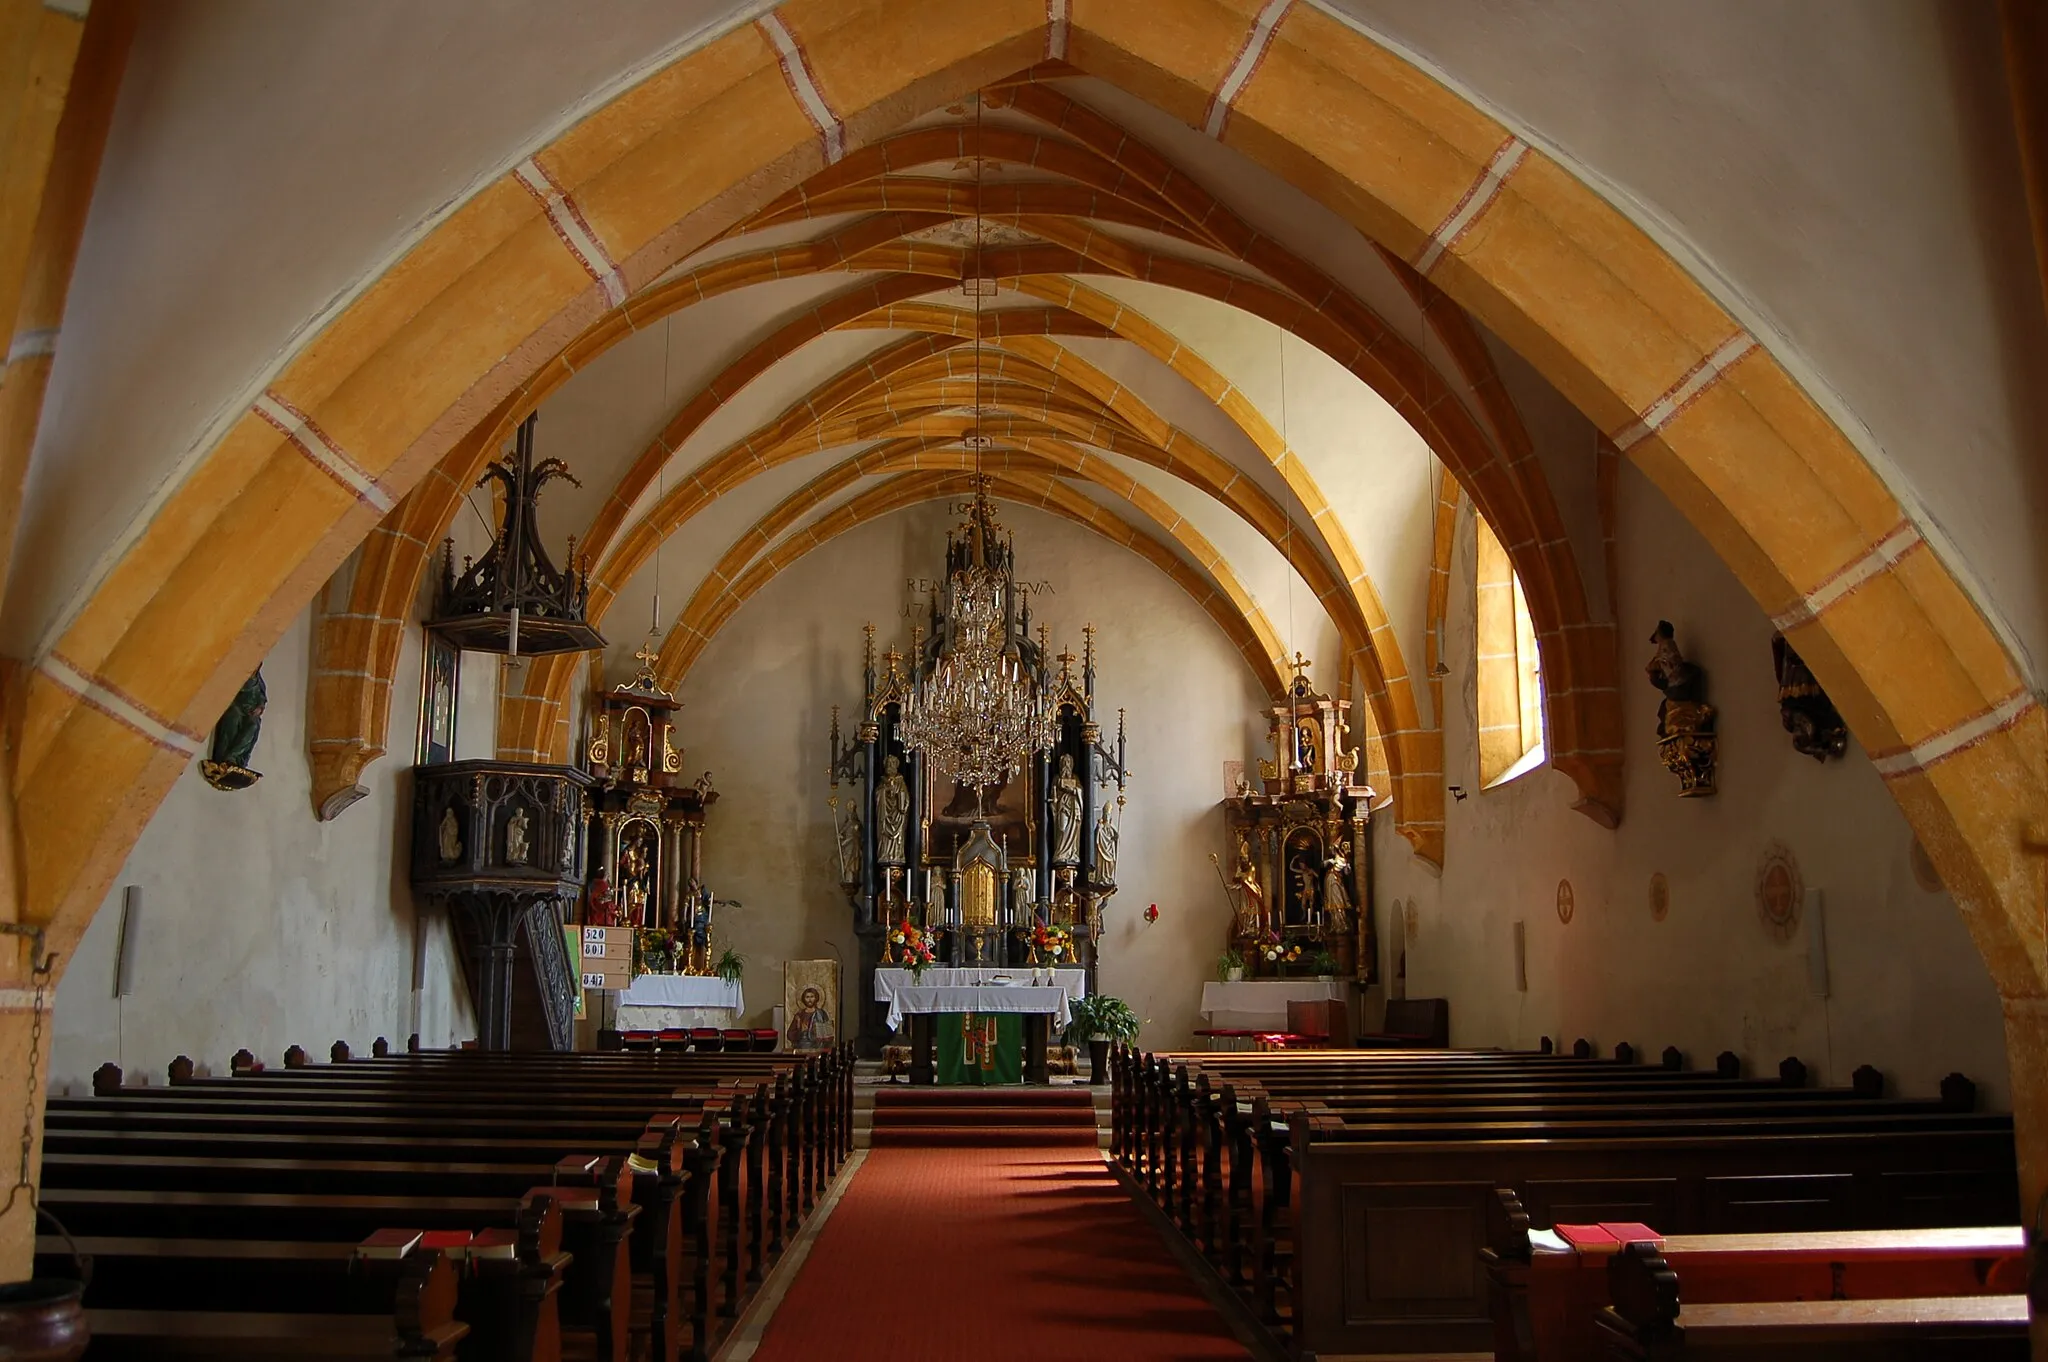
262 927
1909 992
758 710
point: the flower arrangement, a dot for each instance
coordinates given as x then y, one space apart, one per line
657 947
1049 944
1277 951
912 947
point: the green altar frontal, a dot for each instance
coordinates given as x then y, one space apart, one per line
982 1049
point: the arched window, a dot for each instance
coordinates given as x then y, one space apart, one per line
1510 673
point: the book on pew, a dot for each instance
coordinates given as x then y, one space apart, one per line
452 1243
494 1244
1606 1237
389 1244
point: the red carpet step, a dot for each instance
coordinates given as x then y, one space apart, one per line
989 1118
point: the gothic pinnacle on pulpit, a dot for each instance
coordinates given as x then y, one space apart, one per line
513 600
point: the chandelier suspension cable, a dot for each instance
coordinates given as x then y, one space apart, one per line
1286 503
661 475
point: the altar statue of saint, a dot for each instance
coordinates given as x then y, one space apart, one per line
603 910
1105 850
1251 897
1066 814
892 806
1305 887
849 847
1020 892
451 836
516 849
1336 896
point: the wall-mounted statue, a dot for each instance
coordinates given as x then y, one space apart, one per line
517 848
1066 814
449 834
1685 721
1807 713
892 802
234 738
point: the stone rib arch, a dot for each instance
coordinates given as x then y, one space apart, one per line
1596 770
137 668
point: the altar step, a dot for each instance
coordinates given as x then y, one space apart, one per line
1067 1116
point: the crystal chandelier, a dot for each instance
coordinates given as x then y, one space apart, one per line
979 712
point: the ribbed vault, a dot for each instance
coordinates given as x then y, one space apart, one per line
1071 202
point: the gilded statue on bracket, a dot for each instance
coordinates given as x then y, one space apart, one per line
1685 721
892 803
1066 814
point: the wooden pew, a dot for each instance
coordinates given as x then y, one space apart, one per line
1646 1323
402 1112
1544 1301
355 1311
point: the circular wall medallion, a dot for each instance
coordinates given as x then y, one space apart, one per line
1779 892
1411 919
1924 873
1660 897
1565 902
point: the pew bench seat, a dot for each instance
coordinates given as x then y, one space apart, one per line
1897 1330
148 1334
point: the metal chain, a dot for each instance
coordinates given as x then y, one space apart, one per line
43 970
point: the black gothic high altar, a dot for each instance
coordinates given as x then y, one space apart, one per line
986 869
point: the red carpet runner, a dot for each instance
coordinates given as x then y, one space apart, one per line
990 1255
984 1117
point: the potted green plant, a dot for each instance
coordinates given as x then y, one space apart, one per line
1099 1021
730 966
1323 963
1230 966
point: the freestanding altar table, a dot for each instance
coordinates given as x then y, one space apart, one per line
660 1002
921 1002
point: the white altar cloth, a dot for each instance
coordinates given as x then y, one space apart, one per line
1261 1004
684 990
888 979
1047 1000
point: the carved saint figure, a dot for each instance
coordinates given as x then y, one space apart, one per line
603 910
451 836
1306 885
234 737
1308 737
849 847
1020 892
1804 708
1336 894
1251 897
1066 814
1685 721
516 848
1105 850
892 806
